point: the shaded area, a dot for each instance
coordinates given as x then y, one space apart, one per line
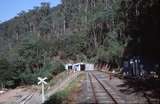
149 88
143 27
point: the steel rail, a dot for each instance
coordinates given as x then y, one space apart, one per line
114 100
28 99
24 99
93 90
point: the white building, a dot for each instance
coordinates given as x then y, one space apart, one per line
79 66
89 66
68 66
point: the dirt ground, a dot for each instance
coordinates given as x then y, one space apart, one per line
12 95
76 91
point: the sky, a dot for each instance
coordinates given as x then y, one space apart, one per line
10 8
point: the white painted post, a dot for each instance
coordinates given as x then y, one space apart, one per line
132 63
133 69
43 97
42 82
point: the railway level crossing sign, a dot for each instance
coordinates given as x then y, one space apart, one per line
42 82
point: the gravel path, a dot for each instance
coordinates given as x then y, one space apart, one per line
130 97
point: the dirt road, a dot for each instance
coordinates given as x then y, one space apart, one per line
30 96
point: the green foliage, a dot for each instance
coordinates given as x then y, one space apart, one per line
57 68
57 98
13 76
47 71
105 32
79 30
74 44
102 55
75 28
8 73
115 46
28 60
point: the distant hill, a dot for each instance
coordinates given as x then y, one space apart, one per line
81 20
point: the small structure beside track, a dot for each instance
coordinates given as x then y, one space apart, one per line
79 66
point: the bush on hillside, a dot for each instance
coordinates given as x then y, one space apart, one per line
49 70
57 98
12 77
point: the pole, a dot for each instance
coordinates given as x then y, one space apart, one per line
133 69
137 71
43 98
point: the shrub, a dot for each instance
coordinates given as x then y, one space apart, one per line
14 75
57 68
57 98
48 71
9 74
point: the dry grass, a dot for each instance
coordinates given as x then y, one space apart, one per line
75 90
69 94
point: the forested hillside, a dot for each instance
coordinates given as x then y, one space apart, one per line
99 31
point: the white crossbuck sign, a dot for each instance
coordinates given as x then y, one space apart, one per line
42 82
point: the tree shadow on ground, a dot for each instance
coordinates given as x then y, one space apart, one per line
149 88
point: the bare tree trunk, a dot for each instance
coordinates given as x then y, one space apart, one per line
101 34
17 36
2 86
86 11
64 25
106 3
95 38
38 34
64 22
94 3
9 45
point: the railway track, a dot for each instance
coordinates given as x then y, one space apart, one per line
101 93
24 99
93 89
